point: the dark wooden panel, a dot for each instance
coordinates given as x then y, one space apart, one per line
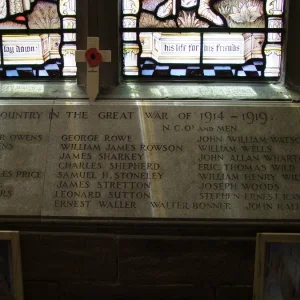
91 291
234 293
185 261
56 257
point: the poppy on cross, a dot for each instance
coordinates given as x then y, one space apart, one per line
93 57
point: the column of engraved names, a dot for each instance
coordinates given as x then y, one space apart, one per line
110 170
10 142
257 172
7 145
22 158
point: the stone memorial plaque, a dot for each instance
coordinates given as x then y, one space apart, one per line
199 161
23 153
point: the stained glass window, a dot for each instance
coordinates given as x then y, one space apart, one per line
203 38
37 38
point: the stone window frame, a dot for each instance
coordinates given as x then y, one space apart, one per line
113 74
33 12
105 14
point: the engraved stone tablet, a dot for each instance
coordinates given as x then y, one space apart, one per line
23 153
167 161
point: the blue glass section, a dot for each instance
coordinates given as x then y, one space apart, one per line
147 72
241 74
43 73
52 67
209 72
162 68
12 73
178 72
249 68
222 68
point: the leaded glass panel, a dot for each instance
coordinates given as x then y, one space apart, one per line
37 38
203 38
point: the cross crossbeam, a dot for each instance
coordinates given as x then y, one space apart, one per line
93 57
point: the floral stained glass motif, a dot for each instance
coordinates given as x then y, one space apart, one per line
203 38
37 38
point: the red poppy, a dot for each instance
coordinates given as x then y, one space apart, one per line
93 57
20 18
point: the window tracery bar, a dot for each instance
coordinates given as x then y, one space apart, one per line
205 39
37 38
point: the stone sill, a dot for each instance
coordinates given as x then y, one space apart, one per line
163 91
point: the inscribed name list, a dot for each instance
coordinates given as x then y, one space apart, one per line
144 161
23 153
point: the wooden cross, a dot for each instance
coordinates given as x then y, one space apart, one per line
93 57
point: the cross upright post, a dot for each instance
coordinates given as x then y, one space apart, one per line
93 57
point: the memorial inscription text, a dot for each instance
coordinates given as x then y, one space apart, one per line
151 162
